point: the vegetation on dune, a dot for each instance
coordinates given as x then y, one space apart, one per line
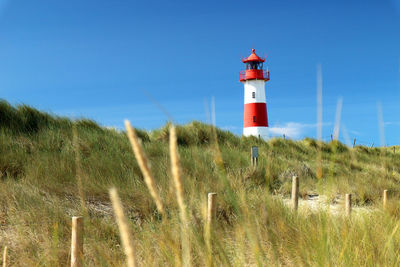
42 162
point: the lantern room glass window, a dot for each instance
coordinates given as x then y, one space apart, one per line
253 65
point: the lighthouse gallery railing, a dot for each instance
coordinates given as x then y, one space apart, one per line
254 74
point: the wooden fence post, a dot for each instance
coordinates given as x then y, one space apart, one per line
77 242
348 204
212 204
295 192
211 214
385 198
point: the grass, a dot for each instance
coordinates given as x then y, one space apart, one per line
39 195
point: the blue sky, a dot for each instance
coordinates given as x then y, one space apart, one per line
97 59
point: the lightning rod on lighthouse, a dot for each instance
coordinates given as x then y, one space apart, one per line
254 77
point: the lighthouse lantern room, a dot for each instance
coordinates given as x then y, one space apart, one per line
255 106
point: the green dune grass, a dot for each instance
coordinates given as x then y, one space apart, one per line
40 168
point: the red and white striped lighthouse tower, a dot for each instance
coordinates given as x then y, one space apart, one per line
255 106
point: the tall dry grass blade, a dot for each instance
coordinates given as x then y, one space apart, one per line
175 169
158 104
5 257
144 166
381 125
207 111
337 118
319 120
390 238
123 228
335 136
173 148
219 161
78 170
346 136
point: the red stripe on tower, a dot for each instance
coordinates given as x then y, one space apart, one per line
255 114
255 107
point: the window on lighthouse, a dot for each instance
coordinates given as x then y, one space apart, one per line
254 119
254 65
254 94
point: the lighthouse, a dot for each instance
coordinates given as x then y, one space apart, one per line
255 121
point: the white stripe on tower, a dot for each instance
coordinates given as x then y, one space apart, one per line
258 88
254 92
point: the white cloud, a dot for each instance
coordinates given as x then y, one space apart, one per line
392 123
293 129
290 129
354 132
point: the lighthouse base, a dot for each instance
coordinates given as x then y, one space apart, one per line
261 132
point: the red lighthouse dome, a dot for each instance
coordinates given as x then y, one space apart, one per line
254 68
254 77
